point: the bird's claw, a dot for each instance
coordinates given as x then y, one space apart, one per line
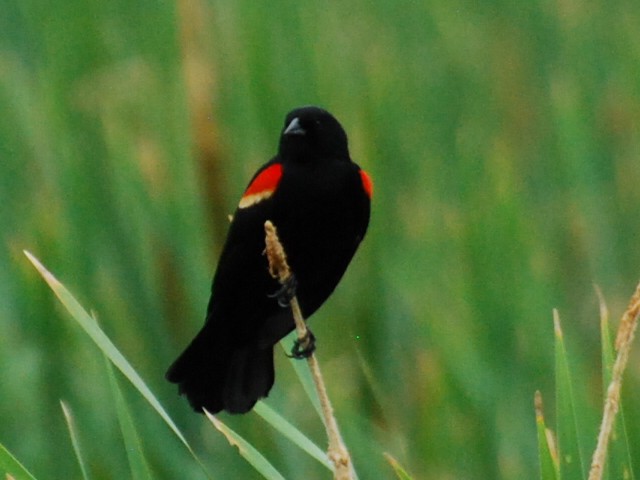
285 293
303 348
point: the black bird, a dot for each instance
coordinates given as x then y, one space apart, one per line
319 200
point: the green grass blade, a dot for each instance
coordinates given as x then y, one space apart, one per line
248 452
400 472
9 465
135 454
302 371
103 342
549 469
298 438
570 459
68 416
619 464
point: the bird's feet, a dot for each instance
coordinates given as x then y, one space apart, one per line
286 292
303 348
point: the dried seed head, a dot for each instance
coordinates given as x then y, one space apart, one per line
278 266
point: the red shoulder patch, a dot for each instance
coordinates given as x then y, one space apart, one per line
262 186
367 183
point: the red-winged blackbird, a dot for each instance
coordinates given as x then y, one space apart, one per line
319 200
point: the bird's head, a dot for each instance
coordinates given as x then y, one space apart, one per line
311 133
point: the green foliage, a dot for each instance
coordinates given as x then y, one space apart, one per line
68 416
400 472
570 454
133 446
565 457
503 141
90 326
11 466
547 450
292 433
253 456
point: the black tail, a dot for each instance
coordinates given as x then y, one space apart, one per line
216 376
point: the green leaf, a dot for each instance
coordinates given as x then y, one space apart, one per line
248 452
304 374
135 454
103 342
570 459
9 465
400 472
298 438
549 469
68 416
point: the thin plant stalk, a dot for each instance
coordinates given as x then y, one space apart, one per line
279 269
624 339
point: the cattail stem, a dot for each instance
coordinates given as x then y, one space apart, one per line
279 269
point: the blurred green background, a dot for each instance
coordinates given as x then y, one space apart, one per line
504 142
